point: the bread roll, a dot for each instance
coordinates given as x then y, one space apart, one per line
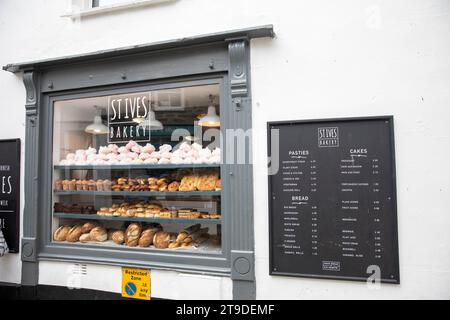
61 233
118 237
186 232
88 226
74 233
173 245
194 236
132 234
98 234
85 237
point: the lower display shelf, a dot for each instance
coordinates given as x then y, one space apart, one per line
133 219
206 247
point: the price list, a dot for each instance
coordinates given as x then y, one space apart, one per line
332 200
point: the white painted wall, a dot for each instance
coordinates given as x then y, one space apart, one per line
329 59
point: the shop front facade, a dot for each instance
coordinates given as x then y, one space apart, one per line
146 130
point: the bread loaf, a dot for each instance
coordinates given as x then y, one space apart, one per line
88 226
98 234
118 237
147 235
74 233
162 239
132 234
85 237
61 233
186 232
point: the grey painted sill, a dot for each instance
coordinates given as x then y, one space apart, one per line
113 7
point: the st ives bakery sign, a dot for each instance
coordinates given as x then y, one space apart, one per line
10 192
125 116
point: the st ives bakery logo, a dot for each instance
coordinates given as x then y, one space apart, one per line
126 118
328 137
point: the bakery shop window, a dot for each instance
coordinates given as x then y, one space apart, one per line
139 170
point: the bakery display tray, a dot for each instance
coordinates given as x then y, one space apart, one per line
135 166
134 219
139 193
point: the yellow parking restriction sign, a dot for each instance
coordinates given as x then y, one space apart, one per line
136 283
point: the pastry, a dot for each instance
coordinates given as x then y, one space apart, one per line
152 181
61 233
65 184
218 185
188 183
118 237
215 216
207 182
85 237
168 213
91 185
173 186
58 185
74 233
88 226
132 234
107 185
79 185
98 234
162 239
153 188
72 184
99 185
121 181
85 185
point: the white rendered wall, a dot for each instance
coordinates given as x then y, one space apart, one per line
329 59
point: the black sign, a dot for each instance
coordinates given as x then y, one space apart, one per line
333 200
124 113
10 192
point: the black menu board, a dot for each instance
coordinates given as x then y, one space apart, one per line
332 199
10 192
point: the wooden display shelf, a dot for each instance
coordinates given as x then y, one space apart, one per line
133 219
139 193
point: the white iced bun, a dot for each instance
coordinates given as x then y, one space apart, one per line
165 148
148 148
123 150
151 161
144 156
70 156
137 149
130 144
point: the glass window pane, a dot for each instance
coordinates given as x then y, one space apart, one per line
139 170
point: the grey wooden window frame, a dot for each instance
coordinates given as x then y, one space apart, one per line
221 58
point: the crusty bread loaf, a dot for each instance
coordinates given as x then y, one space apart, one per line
74 233
88 226
85 237
61 233
132 234
118 237
162 239
147 235
98 234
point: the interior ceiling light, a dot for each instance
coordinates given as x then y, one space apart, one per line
97 127
211 119
150 122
